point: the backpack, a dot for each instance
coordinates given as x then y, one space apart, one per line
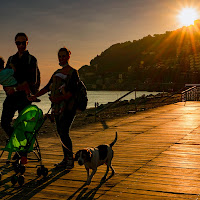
81 95
81 98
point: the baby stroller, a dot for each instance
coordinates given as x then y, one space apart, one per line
23 141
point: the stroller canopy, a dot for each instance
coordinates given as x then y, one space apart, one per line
25 126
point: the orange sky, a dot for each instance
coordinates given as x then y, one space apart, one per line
86 27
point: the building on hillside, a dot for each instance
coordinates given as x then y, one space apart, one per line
194 61
130 69
120 78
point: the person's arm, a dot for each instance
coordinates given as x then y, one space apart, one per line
9 89
33 75
41 92
12 89
38 94
23 86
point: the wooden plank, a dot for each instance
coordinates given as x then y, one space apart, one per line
156 157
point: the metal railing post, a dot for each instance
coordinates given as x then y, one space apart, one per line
135 101
190 94
108 105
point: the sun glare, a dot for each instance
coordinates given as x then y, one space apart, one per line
187 16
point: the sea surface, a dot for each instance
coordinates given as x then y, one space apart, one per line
102 97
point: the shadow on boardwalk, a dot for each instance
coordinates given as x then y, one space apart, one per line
84 194
28 190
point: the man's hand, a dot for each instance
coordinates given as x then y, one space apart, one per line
33 98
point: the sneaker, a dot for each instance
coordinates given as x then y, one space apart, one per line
50 117
66 163
70 163
62 164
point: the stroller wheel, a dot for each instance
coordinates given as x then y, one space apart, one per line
21 180
16 162
45 172
39 171
22 169
14 179
7 162
17 168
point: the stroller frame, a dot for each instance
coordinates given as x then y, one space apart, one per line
21 157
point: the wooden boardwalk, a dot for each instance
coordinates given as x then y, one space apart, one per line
157 156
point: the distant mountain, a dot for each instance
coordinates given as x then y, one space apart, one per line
172 57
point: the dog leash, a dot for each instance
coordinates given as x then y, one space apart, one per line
64 144
58 135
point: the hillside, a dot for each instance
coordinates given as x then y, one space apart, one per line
159 62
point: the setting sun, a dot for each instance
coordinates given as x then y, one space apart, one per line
187 16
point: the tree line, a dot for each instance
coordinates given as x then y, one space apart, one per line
171 59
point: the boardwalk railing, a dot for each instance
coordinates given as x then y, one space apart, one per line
140 103
191 94
97 112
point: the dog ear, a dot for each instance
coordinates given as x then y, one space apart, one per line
89 155
77 155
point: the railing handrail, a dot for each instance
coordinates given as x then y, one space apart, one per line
189 89
114 102
190 94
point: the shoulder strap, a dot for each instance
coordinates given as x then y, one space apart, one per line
71 71
69 75
10 59
29 59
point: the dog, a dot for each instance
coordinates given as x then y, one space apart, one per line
94 157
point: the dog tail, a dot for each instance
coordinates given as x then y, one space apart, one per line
114 141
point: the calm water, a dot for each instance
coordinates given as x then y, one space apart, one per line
102 97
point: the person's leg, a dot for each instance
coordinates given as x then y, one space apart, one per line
9 109
63 126
12 104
